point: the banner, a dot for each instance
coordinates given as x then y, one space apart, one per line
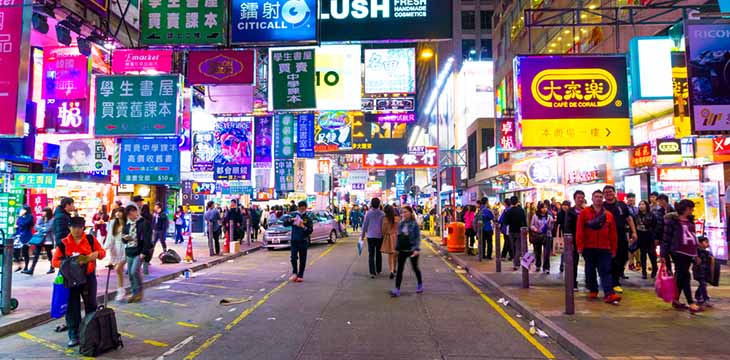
65 73
292 79
234 149
305 136
338 77
11 34
137 61
144 105
390 71
10 204
333 131
572 101
507 133
149 161
85 155
273 21
178 22
262 142
284 136
67 116
427 159
221 67
372 136
708 54
300 175
35 181
680 96
284 171
203 151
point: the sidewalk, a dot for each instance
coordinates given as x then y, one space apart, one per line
641 327
34 292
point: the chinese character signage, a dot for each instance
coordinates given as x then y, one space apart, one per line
679 174
67 116
35 181
284 171
292 79
388 104
149 161
333 131
390 71
272 21
11 33
65 73
358 179
284 136
10 204
38 202
572 101
300 175
144 105
680 96
428 159
234 149
338 77
507 140
203 151
138 61
263 142
305 135
182 22
403 117
585 173
85 155
641 156
372 136
708 56
221 67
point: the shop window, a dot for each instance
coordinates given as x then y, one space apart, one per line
468 20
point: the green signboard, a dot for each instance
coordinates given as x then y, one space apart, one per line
293 75
10 204
284 136
36 181
137 105
183 22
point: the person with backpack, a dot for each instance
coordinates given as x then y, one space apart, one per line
44 233
138 243
88 250
301 228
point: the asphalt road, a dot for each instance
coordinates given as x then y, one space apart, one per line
338 312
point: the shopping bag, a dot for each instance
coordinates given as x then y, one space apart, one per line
359 247
714 273
665 285
59 298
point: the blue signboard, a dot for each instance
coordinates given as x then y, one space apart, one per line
149 161
305 136
269 21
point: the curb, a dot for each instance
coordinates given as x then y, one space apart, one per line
574 346
35 320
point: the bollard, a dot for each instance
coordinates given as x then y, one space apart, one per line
209 230
480 240
7 275
497 246
569 275
523 251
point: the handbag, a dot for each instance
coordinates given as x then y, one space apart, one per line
665 285
37 239
59 298
558 242
714 278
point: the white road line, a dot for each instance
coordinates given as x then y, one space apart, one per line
176 348
232 310
218 319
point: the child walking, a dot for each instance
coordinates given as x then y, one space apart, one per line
701 271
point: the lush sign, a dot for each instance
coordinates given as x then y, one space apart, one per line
182 22
149 161
292 79
221 67
272 21
708 54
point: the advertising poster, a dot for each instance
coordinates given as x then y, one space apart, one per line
177 22
133 61
427 158
712 202
149 161
680 96
372 136
333 131
263 142
284 171
144 105
203 150
305 136
67 116
262 178
572 101
708 53
12 33
221 67
234 150
65 73
284 136
85 155
338 77
292 79
390 71
273 21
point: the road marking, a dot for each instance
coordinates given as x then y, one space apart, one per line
188 292
221 279
175 348
497 308
218 319
148 342
207 285
187 324
136 314
52 346
253 308
202 347
170 303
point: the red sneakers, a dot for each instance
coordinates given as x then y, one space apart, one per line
593 295
298 279
612 299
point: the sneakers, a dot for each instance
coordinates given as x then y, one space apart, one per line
612 299
298 280
120 295
618 289
694 308
395 292
73 343
419 288
293 277
593 295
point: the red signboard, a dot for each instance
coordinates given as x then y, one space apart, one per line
641 156
37 202
65 73
679 174
507 135
11 31
427 159
221 67
136 61
721 146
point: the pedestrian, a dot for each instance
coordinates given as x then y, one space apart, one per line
487 216
571 222
408 246
390 237
701 270
372 229
515 219
89 250
115 247
265 217
622 217
100 218
471 226
146 214
645 225
596 239
137 237
301 228
541 237
255 222
663 209
179 219
61 218
23 232
44 231
634 252
679 234
233 220
507 249
213 219
653 200
160 224
355 218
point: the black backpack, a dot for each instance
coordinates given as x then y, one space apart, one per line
170 257
74 274
98 333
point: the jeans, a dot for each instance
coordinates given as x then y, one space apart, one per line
619 261
701 293
134 268
516 249
576 258
217 241
646 247
402 256
375 257
73 314
178 234
543 250
598 260
682 264
299 252
488 240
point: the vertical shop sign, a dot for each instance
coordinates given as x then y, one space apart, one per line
284 171
300 175
203 151
183 22
680 95
221 67
184 128
150 161
145 105
272 21
67 116
10 204
708 56
65 73
37 202
11 34
507 135
284 136
292 74
305 136
262 142
234 150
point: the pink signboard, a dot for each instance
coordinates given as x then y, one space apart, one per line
229 99
136 61
65 73
11 31
221 67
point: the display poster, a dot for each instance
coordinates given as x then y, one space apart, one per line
371 136
11 34
35 181
234 149
143 105
273 21
680 96
203 151
338 77
390 71
708 70
712 203
292 79
284 171
67 116
284 136
149 161
86 155
183 22
333 131
65 73
263 126
134 61
428 158
305 136
221 67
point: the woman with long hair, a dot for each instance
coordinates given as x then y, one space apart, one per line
680 236
541 237
114 246
100 219
24 232
408 246
390 236
44 229
645 226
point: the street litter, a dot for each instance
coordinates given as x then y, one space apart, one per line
232 301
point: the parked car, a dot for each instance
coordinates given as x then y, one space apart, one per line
325 229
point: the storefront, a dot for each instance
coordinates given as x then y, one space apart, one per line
586 171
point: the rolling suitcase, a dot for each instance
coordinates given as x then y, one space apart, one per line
99 333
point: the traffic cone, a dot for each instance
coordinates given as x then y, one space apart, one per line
227 243
189 251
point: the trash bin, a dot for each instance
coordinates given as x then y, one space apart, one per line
456 241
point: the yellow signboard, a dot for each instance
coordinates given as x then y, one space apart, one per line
575 132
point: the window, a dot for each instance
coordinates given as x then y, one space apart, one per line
469 49
468 20
471 149
487 138
486 49
485 16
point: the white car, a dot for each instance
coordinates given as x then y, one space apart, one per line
325 229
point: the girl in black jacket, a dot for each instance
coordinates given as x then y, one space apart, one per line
645 225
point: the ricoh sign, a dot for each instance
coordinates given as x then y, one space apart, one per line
379 20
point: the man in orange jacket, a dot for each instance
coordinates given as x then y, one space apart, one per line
596 239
